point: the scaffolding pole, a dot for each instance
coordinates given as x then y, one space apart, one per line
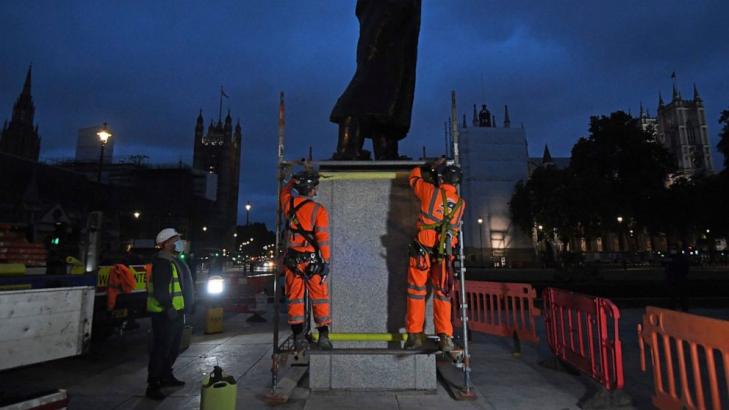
461 257
277 269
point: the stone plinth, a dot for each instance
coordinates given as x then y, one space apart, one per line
385 370
372 220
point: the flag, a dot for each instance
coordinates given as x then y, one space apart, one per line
223 92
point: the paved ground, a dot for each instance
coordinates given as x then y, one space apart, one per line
113 375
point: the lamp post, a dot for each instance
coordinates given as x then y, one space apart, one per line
248 212
480 235
620 232
104 134
137 227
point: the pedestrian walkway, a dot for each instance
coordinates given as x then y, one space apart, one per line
113 375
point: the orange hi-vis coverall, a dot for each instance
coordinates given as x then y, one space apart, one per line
313 218
432 213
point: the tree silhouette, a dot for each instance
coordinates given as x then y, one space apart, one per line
618 171
723 144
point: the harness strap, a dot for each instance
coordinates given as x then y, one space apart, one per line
444 226
293 220
309 236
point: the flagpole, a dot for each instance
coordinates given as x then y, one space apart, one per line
220 107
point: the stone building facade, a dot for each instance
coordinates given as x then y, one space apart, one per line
217 151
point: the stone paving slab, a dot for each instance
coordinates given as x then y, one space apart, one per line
115 378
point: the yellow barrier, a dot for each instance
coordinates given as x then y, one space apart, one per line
77 267
12 269
214 320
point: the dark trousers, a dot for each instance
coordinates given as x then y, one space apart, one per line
166 335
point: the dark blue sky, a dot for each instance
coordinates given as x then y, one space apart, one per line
148 67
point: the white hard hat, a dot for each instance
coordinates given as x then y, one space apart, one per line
166 234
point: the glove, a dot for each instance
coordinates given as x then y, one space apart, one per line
324 273
171 313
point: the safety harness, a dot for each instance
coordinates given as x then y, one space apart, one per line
294 258
444 228
442 251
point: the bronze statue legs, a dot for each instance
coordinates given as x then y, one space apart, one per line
350 142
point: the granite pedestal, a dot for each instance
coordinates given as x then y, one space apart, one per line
372 221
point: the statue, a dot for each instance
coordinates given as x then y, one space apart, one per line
378 102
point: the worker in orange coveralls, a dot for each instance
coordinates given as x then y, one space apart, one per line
306 262
431 253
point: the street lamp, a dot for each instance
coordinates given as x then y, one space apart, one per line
205 228
137 214
480 235
104 134
620 233
248 212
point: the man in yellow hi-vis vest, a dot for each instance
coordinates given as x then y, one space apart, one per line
166 306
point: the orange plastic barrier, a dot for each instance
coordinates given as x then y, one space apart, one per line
693 346
501 309
582 330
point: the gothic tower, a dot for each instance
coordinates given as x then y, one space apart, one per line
681 128
20 136
218 152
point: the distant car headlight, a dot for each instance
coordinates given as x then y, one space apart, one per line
216 284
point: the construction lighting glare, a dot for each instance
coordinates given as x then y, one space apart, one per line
215 285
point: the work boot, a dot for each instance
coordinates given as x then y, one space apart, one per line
153 392
445 344
415 341
172 381
300 341
324 342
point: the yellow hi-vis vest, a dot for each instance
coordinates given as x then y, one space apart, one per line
178 302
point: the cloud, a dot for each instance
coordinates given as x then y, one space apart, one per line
148 67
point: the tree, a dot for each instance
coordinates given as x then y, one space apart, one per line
545 200
619 171
723 144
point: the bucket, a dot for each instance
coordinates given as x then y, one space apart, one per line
219 391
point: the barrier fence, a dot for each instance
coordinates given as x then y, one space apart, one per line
582 331
696 346
246 294
501 309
